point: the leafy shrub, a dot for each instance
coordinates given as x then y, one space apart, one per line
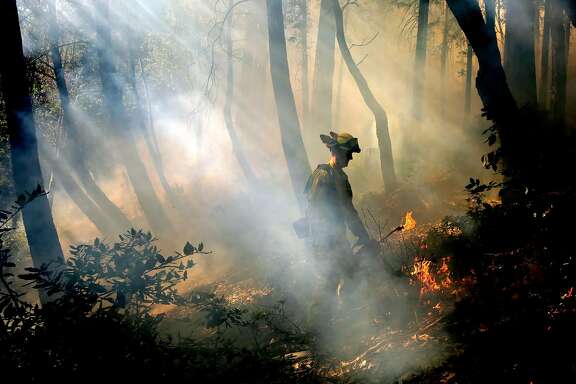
99 323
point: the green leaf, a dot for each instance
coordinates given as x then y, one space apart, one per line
188 249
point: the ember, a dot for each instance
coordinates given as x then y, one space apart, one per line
568 294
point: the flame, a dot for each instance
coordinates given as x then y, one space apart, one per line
409 222
431 280
568 294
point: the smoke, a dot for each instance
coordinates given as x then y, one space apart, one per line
180 73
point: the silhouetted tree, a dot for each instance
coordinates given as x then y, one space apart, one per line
499 104
520 57
544 91
380 117
444 56
292 143
420 58
490 9
38 222
559 36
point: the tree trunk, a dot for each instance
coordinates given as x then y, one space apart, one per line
229 101
490 8
420 59
444 59
64 175
119 124
38 222
323 71
292 143
304 58
559 31
147 128
117 221
468 90
544 92
499 104
386 159
520 56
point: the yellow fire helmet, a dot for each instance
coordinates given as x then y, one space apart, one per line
342 140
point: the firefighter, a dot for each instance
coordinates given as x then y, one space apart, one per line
329 214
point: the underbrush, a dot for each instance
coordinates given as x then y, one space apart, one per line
99 323
516 261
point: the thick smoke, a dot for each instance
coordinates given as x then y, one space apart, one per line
181 80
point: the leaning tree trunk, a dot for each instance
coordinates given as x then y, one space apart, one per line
147 129
420 59
321 108
115 220
386 159
543 93
520 56
38 222
499 104
119 124
559 30
490 8
292 143
63 174
229 101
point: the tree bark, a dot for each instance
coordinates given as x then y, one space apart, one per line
559 31
499 104
119 124
420 59
229 101
292 143
520 56
38 222
544 91
116 220
491 79
324 70
380 117
490 8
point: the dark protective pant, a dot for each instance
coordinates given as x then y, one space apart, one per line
334 263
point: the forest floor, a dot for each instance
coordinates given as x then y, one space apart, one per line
395 335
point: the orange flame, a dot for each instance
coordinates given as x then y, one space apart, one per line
431 280
409 222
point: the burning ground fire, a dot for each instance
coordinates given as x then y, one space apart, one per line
429 280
